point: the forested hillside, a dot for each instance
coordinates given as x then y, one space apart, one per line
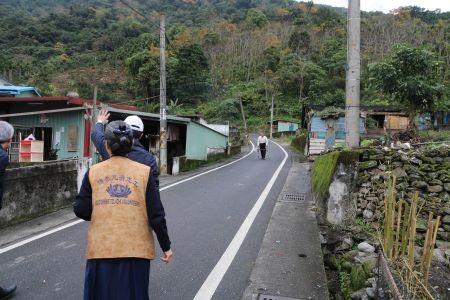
220 51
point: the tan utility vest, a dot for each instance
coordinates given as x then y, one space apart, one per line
119 224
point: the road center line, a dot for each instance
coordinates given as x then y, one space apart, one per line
214 278
41 235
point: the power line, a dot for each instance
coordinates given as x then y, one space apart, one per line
147 19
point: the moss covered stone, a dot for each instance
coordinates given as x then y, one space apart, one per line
364 165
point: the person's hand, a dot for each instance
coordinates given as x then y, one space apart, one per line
167 257
103 116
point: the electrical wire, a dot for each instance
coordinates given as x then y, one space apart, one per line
148 20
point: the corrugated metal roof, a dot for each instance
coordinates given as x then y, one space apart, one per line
69 100
15 90
147 115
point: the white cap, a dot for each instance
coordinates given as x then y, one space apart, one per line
135 123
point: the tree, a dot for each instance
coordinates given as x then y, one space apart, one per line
411 76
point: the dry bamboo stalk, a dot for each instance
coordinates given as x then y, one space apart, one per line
391 217
417 279
385 223
405 228
426 245
399 218
412 228
433 242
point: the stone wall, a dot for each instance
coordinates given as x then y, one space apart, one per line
425 169
36 190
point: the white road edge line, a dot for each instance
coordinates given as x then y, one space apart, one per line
212 170
41 235
214 278
36 237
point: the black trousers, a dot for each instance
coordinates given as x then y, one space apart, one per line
262 148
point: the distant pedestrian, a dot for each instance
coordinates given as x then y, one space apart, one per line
262 144
120 198
6 135
138 152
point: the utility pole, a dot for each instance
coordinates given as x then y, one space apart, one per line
162 99
243 118
93 121
352 86
271 118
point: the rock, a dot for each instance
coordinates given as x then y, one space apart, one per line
367 214
399 172
371 293
443 245
414 176
376 157
446 219
419 184
426 168
371 282
370 260
323 241
397 164
444 196
438 160
445 236
444 177
435 182
439 256
382 167
364 165
421 225
447 186
359 295
366 247
434 188
346 244
363 203
416 161
375 178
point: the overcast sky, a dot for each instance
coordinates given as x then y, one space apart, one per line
387 5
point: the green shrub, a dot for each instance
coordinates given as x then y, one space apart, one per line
299 142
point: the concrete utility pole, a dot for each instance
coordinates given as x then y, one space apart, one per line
271 118
93 121
352 86
243 118
162 99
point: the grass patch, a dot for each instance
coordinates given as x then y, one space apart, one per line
434 135
322 173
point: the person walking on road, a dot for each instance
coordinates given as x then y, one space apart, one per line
138 152
262 144
120 199
6 135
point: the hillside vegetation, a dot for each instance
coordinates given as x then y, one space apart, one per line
219 52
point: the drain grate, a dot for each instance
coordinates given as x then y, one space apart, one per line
271 297
293 197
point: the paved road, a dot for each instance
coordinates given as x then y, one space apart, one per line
204 214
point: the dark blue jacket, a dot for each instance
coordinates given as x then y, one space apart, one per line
4 160
138 152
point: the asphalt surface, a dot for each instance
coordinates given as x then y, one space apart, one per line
203 216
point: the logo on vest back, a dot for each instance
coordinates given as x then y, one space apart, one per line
118 190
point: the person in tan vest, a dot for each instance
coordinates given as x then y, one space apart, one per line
120 199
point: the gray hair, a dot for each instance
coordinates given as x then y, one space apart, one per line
6 131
